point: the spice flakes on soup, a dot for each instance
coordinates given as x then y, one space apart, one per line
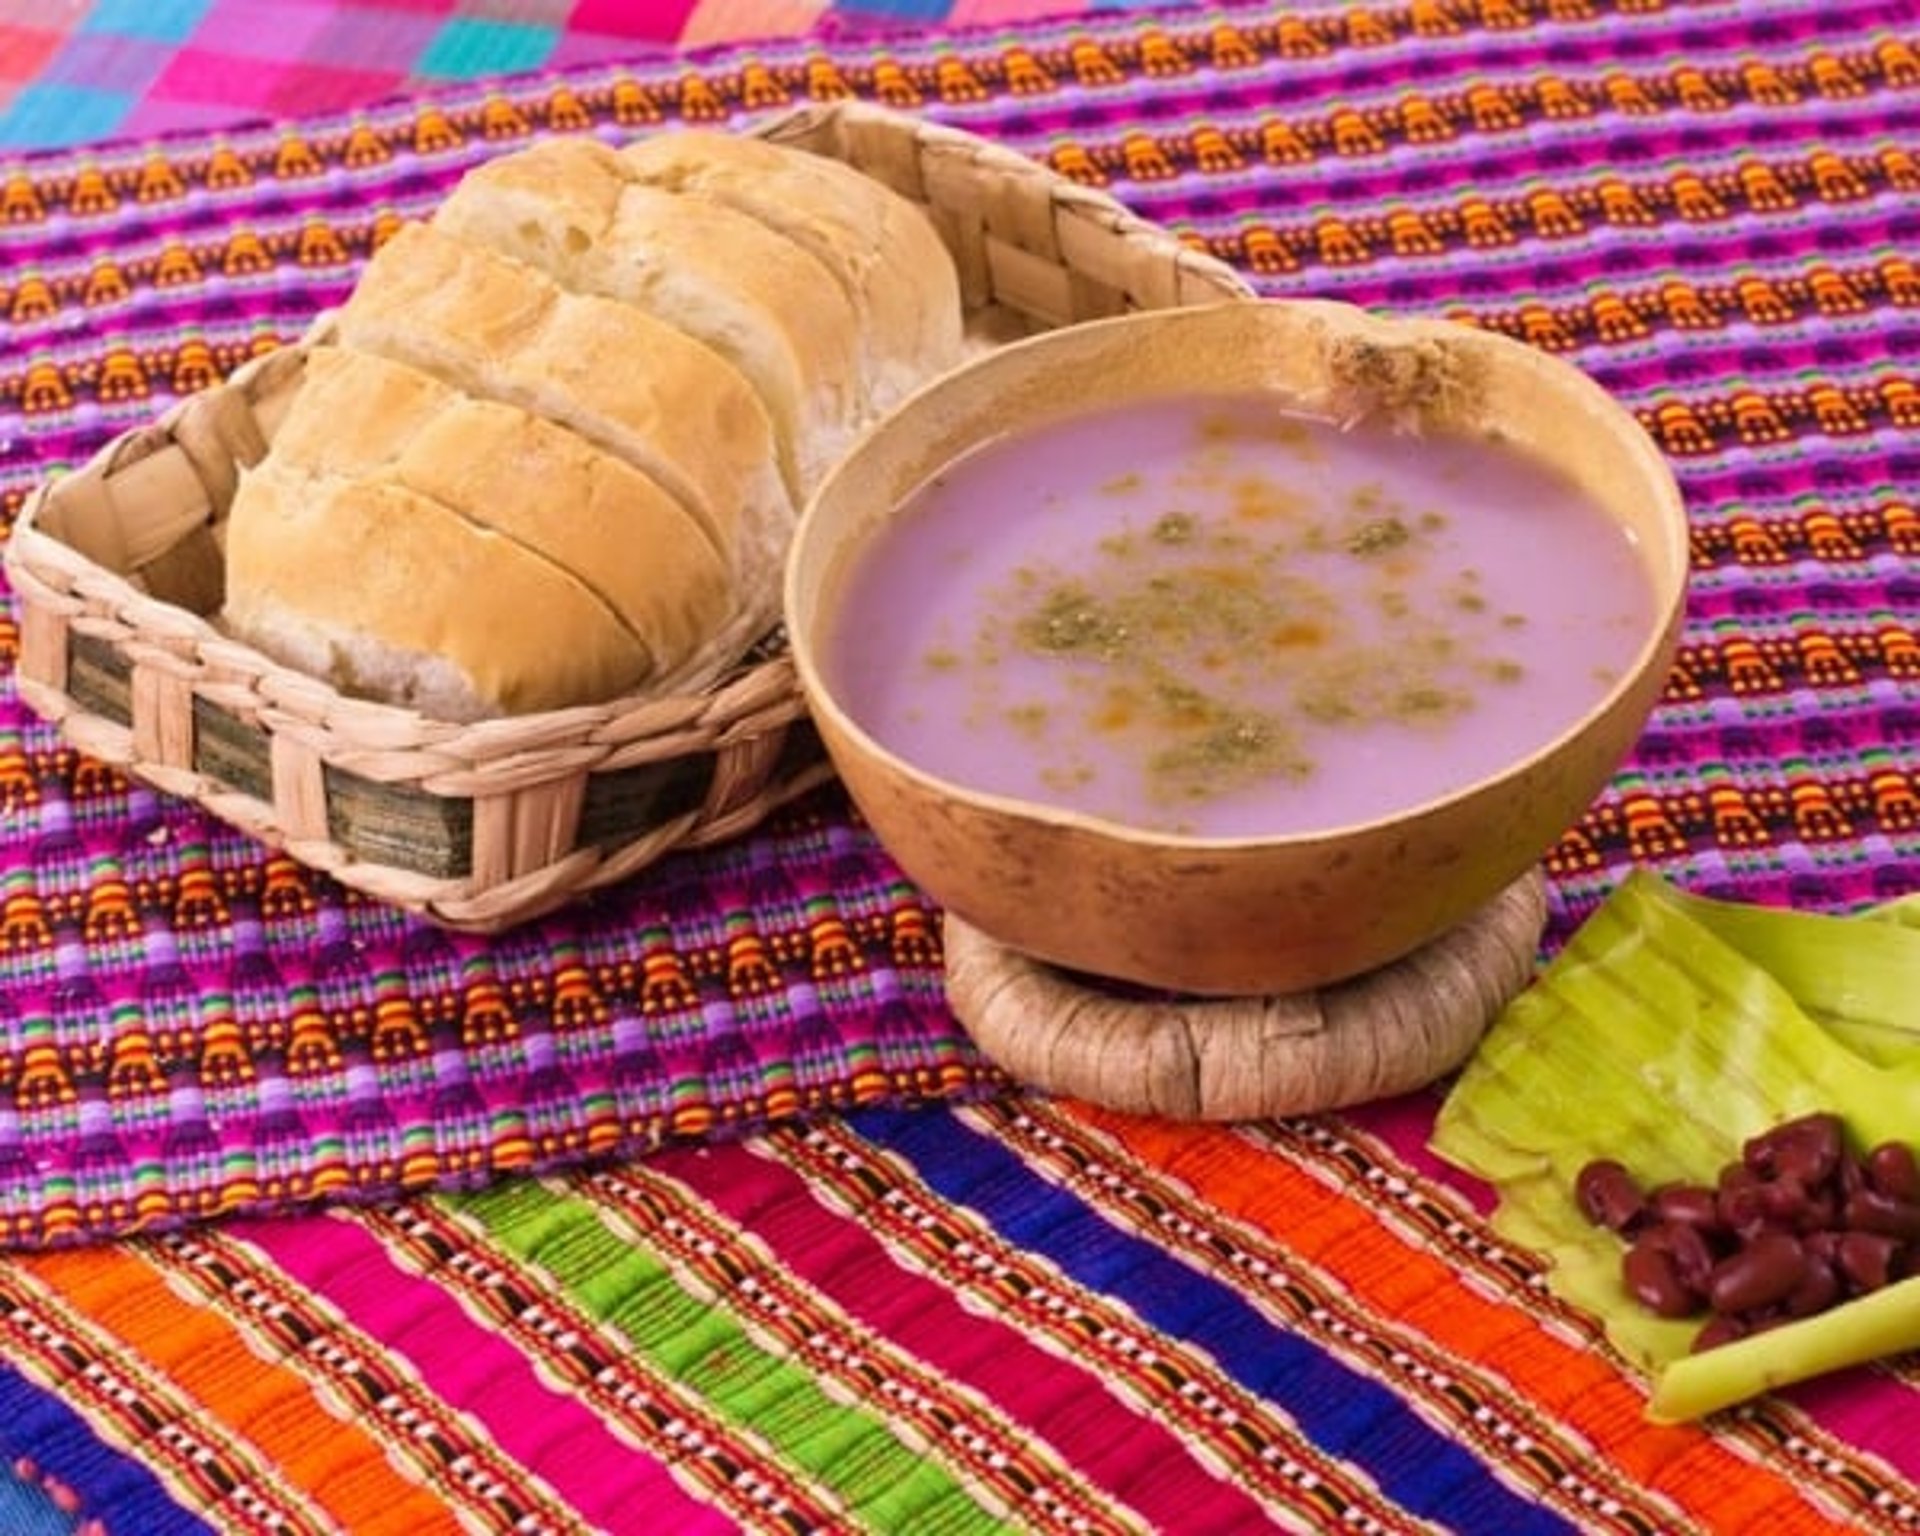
1212 617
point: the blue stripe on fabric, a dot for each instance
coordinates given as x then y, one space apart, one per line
1341 1411
126 1498
160 21
45 112
28 1510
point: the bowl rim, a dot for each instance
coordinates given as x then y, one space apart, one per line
1656 649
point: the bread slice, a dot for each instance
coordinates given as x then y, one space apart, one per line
571 207
644 391
389 594
539 484
886 253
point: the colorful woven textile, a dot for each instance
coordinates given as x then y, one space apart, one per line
75 72
941 1307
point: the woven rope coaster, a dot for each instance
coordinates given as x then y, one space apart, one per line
1241 1058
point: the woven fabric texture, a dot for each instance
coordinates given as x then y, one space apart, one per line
72 73
943 1306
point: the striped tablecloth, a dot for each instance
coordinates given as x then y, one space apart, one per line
838 1276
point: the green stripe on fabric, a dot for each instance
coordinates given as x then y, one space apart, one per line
885 1482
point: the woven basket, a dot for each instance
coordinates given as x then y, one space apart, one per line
116 568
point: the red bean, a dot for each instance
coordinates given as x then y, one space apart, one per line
1608 1195
1653 1278
1689 1248
1765 1271
1691 1205
1812 1154
1807 1149
1798 1224
1868 1210
1744 1207
1824 1246
1867 1259
1718 1329
1787 1202
1819 1288
1798 1208
1893 1170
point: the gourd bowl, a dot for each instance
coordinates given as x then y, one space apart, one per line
1259 915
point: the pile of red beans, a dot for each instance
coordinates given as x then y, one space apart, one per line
1801 1223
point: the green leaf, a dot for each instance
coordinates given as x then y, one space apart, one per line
1669 1030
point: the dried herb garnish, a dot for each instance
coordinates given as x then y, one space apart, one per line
1378 536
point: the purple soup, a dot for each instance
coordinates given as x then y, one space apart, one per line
1216 618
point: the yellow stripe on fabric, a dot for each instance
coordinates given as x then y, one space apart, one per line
618 1278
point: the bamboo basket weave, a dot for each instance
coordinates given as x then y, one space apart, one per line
116 569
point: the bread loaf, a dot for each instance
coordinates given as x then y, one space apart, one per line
361 416
468 621
556 450
502 330
887 256
770 307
